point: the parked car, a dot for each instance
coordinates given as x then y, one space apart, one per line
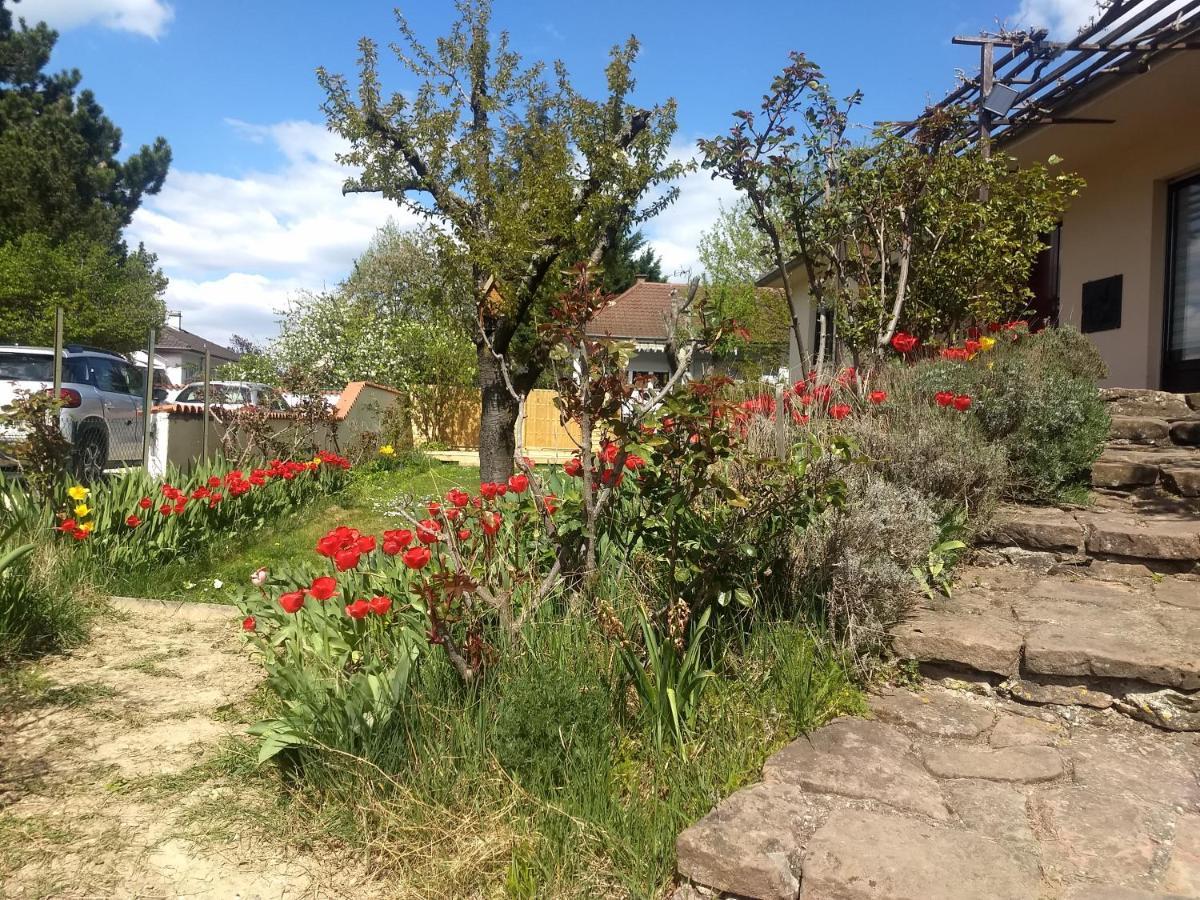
102 393
233 394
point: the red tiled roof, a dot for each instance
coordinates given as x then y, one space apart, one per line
639 313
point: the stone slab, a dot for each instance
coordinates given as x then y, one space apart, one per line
1182 480
1056 694
1183 869
1186 432
1145 766
1140 430
983 643
936 713
862 760
1142 537
1090 891
1022 731
1111 643
752 843
991 808
1089 834
1122 474
1026 765
1037 528
1145 402
860 855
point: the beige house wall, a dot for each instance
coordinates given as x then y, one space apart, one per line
1118 224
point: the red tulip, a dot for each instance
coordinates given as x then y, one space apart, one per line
396 540
165 509
464 534
366 543
133 521
145 503
459 498
358 609
490 521
551 504
904 343
519 483
346 559
67 525
962 402
944 398
324 587
488 490
214 482
609 452
973 347
417 557
427 531
573 467
633 461
292 602
839 411
379 605
248 623
877 397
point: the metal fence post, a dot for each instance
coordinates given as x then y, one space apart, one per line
58 352
207 379
148 399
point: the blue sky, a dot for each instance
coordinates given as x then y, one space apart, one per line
252 210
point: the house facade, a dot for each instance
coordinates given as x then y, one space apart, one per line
641 315
181 354
1120 105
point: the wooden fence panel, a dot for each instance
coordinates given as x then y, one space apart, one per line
543 428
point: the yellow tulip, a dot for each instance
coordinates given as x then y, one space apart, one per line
387 450
86 527
987 343
78 492
316 461
81 510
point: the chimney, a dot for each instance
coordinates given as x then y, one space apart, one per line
178 317
640 278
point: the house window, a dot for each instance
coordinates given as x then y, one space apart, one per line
1102 305
1181 361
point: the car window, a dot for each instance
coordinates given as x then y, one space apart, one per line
271 399
75 371
26 367
137 379
109 375
189 394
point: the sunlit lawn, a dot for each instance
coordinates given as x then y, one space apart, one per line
369 505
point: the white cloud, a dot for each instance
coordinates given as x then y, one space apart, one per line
236 247
145 17
1065 17
675 232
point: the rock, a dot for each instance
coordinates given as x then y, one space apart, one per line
1186 432
1112 643
1022 731
1183 871
1118 474
1102 836
1167 709
1192 400
1036 528
859 855
935 713
1034 560
1028 765
1139 430
860 759
751 844
1056 694
991 808
982 643
1145 403
1182 480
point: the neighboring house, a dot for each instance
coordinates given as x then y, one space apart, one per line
1120 103
640 315
181 354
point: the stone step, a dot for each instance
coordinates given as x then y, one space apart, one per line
1161 532
1064 641
1173 470
944 794
1149 404
1128 430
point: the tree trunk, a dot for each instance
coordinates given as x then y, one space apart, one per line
497 421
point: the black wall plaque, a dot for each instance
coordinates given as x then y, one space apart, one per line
1101 305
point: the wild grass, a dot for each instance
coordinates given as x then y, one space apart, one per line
544 781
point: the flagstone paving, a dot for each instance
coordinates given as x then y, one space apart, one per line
1051 750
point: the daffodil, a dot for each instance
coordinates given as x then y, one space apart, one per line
82 510
78 492
387 450
987 343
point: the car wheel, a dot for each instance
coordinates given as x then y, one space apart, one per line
89 457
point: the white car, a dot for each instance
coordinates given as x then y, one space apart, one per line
102 393
233 394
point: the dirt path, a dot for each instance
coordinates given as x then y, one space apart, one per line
117 782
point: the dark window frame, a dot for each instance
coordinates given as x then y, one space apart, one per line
1184 376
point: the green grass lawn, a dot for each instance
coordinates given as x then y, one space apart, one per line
368 504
